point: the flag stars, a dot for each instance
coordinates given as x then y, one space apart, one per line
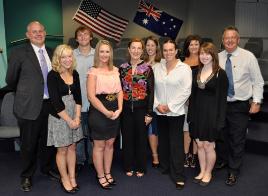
145 21
171 19
174 26
163 22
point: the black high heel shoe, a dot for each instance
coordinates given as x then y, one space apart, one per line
104 185
76 188
72 191
110 180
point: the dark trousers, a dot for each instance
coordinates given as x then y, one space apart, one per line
170 146
134 137
233 148
33 135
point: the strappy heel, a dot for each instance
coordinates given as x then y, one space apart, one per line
104 185
110 179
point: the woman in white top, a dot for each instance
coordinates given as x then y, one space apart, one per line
173 80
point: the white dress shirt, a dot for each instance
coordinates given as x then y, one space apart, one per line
248 81
172 89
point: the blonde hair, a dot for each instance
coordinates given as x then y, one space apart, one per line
56 66
97 55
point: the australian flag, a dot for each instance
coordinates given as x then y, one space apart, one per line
157 21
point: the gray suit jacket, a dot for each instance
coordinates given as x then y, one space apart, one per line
25 77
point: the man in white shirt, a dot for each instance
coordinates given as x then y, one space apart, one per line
84 55
245 83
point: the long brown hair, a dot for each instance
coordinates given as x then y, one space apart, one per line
211 49
158 51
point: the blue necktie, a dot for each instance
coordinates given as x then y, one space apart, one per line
44 69
228 69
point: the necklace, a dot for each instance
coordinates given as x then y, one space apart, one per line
202 85
69 90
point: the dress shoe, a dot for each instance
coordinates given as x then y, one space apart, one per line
72 191
76 188
220 165
202 183
231 180
180 186
52 175
26 184
196 180
110 179
155 165
104 185
139 174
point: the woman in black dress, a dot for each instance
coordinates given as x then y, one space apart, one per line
207 109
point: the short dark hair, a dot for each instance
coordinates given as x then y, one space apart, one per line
81 29
135 39
187 43
169 40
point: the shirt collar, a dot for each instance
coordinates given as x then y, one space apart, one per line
234 53
91 52
36 48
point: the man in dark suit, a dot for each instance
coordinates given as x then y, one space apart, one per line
27 75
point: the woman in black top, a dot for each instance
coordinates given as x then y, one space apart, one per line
190 49
64 123
207 108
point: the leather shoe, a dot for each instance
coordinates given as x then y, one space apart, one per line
220 165
52 175
196 180
26 184
231 180
180 186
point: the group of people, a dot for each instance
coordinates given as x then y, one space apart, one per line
79 100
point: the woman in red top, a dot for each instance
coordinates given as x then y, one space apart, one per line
138 89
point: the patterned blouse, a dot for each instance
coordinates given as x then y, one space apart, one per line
138 89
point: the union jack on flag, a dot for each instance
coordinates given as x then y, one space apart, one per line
149 10
157 21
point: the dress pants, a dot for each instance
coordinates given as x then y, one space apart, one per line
170 146
235 133
33 135
134 137
84 146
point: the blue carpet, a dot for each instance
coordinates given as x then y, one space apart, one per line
252 181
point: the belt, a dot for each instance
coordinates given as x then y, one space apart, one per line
108 97
237 101
46 100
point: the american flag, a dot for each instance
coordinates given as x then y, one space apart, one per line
157 21
100 21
